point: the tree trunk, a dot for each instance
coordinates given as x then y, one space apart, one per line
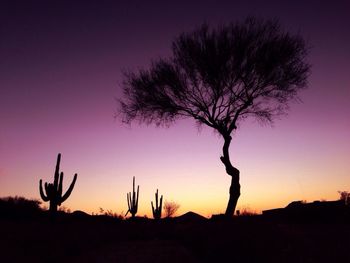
235 188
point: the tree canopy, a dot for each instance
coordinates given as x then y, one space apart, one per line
220 76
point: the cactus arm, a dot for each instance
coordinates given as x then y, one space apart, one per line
160 207
57 169
152 208
70 189
127 199
137 200
46 185
156 199
133 191
59 190
43 196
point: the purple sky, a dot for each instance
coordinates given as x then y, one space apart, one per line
60 72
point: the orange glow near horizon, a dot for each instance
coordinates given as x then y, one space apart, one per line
270 178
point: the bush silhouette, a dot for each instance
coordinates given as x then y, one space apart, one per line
170 208
19 207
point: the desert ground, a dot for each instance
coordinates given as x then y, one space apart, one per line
79 237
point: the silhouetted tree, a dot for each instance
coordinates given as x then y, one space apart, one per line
345 196
54 190
220 77
170 208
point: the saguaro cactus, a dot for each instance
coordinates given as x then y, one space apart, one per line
157 212
54 190
133 200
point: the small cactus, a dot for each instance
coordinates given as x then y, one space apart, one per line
157 211
133 200
54 190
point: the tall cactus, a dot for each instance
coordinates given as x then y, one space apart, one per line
54 190
157 212
133 200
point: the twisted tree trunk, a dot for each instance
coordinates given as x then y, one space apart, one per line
235 188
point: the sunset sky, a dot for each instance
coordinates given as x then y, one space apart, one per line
61 73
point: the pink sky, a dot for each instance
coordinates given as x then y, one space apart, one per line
60 73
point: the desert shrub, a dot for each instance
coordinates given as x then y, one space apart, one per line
170 208
345 196
64 209
109 213
19 206
246 211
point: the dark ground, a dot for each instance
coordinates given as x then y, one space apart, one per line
81 238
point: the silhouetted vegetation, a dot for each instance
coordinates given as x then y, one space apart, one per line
170 208
345 196
109 213
301 232
133 200
53 191
79 237
64 209
219 77
246 211
316 211
16 207
157 211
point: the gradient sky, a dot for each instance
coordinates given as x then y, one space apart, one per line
60 73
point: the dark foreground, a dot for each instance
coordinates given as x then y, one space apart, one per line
80 238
